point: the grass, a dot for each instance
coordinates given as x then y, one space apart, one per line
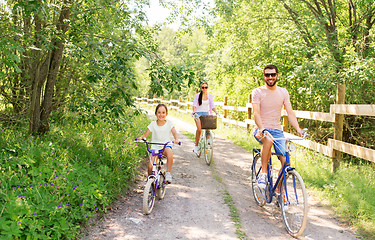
53 184
350 191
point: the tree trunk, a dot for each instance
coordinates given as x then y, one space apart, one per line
47 72
38 72
56 57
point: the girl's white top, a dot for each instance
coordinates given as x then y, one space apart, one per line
205 107
160 134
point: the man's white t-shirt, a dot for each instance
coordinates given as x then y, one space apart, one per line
160 134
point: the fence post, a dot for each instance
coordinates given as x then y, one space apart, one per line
285 124
225 104
339 125
188 107
179 102
249 110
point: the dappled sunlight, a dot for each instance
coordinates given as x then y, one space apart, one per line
194 232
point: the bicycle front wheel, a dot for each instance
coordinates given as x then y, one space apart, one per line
256 169
208 147
149 196
294 205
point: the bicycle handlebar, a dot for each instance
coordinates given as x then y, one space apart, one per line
152 151
145 141
304 136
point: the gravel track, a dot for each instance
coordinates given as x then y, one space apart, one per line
194 206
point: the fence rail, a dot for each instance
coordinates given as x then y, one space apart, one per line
335 111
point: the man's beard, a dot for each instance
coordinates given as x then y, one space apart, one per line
271 85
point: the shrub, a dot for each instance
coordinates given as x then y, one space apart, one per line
49 185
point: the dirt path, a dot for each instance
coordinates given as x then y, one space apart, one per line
194 206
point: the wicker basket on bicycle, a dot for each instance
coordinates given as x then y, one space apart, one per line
208 121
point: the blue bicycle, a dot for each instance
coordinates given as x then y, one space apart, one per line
293 196
156 184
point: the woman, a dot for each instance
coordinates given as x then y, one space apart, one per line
203 105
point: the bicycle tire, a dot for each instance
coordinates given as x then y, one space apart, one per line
255 172
294 206
149 196
160 191
208 148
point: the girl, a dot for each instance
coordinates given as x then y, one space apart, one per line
161 130
203 105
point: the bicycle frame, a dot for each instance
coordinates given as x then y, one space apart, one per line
285 168
204 135
158 161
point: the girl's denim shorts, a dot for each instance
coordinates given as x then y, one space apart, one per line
198 114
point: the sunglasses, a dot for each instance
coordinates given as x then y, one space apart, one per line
204 87
270 74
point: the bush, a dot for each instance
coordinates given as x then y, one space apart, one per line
50 185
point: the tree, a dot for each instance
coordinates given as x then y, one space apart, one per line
67 53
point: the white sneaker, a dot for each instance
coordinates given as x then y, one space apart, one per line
196 150
262 180
168 177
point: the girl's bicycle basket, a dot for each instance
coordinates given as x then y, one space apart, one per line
208 121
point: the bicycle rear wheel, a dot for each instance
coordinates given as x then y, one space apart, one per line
294 206
208 147
256 169
149 196
160 191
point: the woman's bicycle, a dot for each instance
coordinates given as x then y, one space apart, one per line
293 196
156 184
206 141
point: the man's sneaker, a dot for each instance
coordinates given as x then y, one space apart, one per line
262 180
281 200
196 150
168 177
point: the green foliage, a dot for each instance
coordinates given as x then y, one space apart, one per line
92 55
171 78
179 66
51 185
350 190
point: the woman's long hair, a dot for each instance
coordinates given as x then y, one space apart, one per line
201 94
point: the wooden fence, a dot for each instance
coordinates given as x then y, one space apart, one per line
333 149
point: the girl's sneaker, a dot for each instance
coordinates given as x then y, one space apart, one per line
196 150
168 177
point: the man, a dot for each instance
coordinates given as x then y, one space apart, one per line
268 101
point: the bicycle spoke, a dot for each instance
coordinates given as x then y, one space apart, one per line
294 204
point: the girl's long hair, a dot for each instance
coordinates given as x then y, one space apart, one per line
201 94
